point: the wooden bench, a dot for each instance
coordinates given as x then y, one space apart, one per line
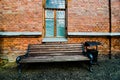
38 53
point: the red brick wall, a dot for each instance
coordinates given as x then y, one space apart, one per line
88 16
115 45
115 15
21 15
104 48
83 16
11 47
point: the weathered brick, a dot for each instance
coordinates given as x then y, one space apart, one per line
115 15
22 15
83 16
87 15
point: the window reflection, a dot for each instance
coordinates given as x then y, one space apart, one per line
55 3
60 27
60 14
49 14
49 27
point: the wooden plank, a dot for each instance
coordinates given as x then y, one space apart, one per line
53 51
56 47
55 54
52 45
59 45
33 50
54 59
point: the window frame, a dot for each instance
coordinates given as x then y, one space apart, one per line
55 19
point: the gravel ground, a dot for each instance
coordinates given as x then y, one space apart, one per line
108 70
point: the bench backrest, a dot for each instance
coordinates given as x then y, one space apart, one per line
55 49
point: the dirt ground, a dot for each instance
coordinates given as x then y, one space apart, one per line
107 70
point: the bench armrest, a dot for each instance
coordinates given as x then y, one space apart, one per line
18 59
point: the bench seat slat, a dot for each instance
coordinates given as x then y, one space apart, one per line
34 50
42 45
54 58
55 54
55 46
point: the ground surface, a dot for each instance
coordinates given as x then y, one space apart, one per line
108 70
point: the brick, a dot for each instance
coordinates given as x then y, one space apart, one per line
21 15
83 16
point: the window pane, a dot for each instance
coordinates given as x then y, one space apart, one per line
55 3
49 14
49 27
60 27
60 14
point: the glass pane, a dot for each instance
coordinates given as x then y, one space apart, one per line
60 14
49 27
60 27
49 14
55 3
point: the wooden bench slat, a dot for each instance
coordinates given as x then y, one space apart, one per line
57 50
54 58
55 54
54 47
40 46
54 50
54 44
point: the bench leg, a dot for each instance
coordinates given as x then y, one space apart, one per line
90 56
90 66
19 66
19 70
